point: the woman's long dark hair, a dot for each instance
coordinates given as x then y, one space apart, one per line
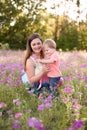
29 50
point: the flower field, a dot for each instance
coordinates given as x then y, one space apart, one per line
22 110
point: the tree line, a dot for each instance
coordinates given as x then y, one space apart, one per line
20 18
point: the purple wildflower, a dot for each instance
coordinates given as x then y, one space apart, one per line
41 107
17 115
31 122
71 128
17 102
68 90
78 124
48 99
35 123
39 125
48 104
16 124
2 104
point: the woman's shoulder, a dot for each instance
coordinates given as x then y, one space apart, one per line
30 62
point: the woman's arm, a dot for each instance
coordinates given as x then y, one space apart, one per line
30 70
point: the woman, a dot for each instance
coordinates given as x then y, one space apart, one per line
34 72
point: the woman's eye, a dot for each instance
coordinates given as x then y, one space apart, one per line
38 43
33 45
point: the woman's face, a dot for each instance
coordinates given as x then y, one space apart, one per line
36 45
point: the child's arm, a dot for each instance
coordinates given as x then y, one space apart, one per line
46 61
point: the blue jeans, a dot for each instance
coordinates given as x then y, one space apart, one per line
46 85
34 87
54 81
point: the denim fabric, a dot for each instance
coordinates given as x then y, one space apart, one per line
25 79
46 86
34 88
54 81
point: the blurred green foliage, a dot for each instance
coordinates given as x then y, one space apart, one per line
19 19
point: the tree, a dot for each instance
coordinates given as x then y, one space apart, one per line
18 19
68 37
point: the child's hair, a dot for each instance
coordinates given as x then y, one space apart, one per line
51 43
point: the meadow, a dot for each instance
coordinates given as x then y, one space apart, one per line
22 110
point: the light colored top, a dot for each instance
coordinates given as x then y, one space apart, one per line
38 66
38 69
54 67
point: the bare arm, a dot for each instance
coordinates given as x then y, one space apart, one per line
46 61
30 70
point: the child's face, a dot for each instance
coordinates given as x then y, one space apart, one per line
48 51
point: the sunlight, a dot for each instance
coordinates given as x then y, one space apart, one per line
69 8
